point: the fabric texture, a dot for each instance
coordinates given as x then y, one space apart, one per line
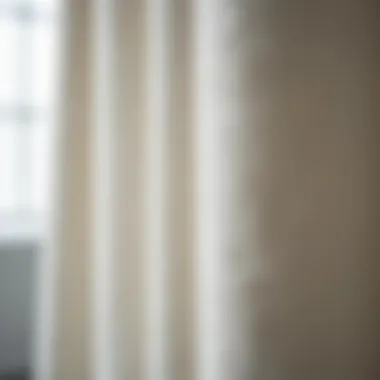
217 193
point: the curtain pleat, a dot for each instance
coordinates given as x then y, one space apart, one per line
62 344
216 204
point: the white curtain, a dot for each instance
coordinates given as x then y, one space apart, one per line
215 202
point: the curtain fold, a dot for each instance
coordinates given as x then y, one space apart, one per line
215 213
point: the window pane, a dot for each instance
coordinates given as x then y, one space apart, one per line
44 62
8 163
17 2
29 55
40 165
9 49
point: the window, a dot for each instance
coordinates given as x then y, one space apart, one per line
28 80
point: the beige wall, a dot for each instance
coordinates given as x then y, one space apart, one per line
300 240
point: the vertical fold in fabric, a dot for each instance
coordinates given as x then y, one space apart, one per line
168 189
63 332
104 322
